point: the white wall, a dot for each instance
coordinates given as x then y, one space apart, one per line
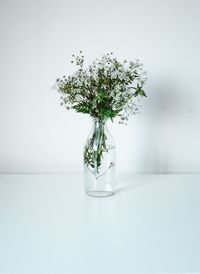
37 40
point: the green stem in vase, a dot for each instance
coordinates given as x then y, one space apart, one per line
95 148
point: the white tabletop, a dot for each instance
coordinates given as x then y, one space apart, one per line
49 226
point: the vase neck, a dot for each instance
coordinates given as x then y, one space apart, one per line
99 123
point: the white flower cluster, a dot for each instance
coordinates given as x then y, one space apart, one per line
107 88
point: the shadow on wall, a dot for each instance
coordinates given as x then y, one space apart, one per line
163 110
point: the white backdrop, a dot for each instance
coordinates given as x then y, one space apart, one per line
37 40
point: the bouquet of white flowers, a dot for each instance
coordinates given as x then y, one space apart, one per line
105 89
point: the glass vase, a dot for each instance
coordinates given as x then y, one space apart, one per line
99 160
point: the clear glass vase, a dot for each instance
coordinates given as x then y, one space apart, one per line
99 161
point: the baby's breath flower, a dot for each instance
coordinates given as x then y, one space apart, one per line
106 89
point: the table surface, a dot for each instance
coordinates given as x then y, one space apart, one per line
48 225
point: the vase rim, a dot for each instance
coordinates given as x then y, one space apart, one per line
98 118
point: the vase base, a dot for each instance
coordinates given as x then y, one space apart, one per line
99 193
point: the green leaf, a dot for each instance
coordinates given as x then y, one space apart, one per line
139 91
82 108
